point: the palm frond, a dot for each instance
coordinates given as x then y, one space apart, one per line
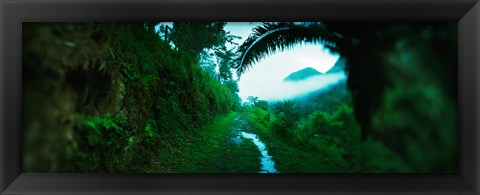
268 38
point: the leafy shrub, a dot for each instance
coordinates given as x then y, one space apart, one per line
260 116
262 104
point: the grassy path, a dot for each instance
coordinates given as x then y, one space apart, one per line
218 148
212 149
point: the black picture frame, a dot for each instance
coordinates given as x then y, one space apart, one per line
14 12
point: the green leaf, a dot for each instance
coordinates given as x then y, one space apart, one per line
110 50
102 66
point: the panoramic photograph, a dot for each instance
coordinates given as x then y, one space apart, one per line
239 97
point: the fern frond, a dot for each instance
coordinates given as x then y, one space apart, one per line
269 38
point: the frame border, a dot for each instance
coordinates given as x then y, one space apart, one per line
14 12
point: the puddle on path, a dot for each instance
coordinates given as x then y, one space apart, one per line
267 163
268 166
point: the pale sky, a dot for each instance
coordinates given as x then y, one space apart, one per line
264 79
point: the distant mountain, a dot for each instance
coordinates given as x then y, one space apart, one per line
306 73
302 75
339 66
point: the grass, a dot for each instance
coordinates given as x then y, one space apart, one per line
288 157
209 150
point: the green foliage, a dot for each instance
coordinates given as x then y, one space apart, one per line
324 124
102 147
335 136
262 104
150 129
225 66
116 97
128 92
286 118
166 89
282 125
325 101
408 122
196 36
374 157
251 100
287 107
334 146
401 78
260 116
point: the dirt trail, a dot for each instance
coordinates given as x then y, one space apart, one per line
242 132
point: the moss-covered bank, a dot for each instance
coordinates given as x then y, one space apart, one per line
103 97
